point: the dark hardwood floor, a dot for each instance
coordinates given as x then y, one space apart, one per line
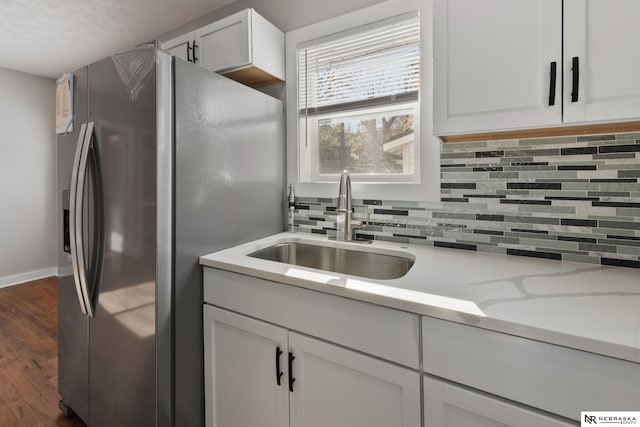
29 356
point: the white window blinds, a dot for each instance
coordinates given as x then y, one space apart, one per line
371 65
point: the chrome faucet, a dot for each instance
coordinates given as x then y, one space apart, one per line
345 225
344 229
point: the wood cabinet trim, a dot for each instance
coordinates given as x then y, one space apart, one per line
252 76
587 129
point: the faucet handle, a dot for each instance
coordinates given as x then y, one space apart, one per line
361 224
366 223
356 225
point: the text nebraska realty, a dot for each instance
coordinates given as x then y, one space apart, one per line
593 419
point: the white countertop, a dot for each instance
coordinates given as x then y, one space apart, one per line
587 307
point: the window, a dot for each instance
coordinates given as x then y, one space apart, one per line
358 103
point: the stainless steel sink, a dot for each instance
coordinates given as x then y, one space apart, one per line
339 260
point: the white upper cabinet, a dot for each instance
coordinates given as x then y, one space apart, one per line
244 44
245 47
182 46
226 44
493 64
603 36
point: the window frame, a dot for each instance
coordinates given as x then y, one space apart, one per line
428 147
308 170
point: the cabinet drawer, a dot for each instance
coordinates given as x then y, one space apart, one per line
383 332
556 379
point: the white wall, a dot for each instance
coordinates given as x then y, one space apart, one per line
27 177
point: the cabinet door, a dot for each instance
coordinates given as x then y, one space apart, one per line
240 371
178 46
225 44
604 36
340 388
446 405
492 64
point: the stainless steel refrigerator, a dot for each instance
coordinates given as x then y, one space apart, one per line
166 162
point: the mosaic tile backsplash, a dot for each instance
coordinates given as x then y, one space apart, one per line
569 198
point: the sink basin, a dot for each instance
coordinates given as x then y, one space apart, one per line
371 265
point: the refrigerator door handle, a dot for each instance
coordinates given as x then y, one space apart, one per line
79 226
75 261
95 268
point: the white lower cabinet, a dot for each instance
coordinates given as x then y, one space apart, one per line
320 384
341 388
446 405
240 371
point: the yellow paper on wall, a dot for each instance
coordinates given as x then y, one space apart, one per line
64 103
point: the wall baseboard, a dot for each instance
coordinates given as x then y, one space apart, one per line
28 276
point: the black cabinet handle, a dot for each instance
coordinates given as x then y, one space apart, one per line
278 371
291 379
575 68
552 84
195 59
189 49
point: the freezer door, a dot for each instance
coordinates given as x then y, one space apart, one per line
73 325
122 105
229 188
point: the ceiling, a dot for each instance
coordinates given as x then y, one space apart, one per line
50 37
